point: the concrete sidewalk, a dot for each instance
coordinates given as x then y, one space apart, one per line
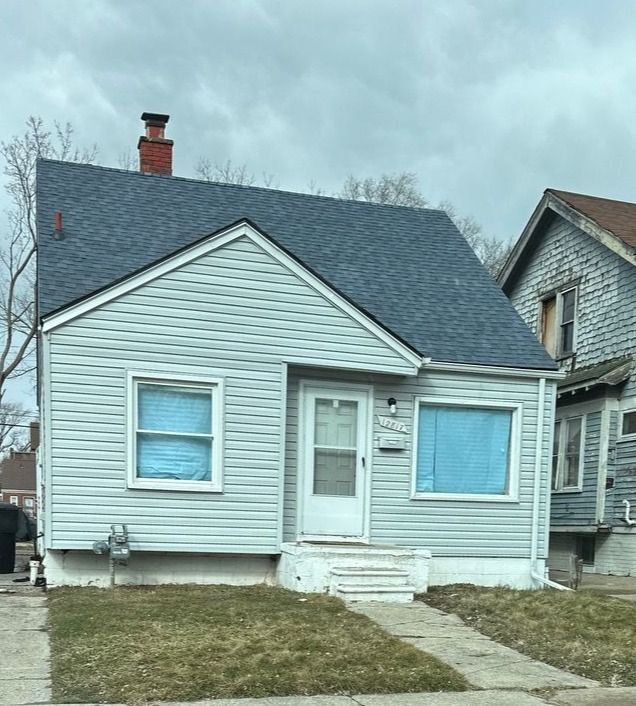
24 656
570 697
485 664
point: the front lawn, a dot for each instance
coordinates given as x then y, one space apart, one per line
186 643
590 635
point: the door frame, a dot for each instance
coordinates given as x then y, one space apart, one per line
301 452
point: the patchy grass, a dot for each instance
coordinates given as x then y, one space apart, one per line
590 635
185 643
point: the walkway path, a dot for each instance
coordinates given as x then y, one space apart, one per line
485 664
24 651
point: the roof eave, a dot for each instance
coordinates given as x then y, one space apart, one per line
551 202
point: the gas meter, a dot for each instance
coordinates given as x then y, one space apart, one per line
118 544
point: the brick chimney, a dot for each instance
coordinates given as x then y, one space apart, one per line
155 152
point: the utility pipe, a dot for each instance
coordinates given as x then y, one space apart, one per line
535 574
627 519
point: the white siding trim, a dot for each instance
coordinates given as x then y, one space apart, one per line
284 373
514 457
603 453
213 243
429 364
217 387
45 441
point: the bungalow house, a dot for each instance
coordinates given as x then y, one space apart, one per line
572 278
272 386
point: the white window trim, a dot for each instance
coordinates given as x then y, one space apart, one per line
621 436
559 319
578 488
514 458
216 385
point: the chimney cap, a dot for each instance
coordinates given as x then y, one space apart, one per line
155 118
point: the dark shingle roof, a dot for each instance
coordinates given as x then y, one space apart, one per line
617 217
408 268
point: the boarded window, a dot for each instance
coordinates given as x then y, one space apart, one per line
548 325
463 450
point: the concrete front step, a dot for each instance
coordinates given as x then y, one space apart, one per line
369 576
387 594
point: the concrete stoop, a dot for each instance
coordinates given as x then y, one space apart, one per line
371 583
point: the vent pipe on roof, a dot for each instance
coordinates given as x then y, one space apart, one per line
155 152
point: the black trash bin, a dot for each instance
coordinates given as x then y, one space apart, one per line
9 521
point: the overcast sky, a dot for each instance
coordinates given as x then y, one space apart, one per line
488 102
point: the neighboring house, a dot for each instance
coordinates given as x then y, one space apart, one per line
18 476
572 277
265 384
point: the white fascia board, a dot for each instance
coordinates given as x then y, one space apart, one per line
500 371
215 242
569 213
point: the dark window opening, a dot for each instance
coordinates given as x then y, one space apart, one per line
585 549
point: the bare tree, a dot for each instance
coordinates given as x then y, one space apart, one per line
492 252
403 190
230 173
395 189
18 319
14 422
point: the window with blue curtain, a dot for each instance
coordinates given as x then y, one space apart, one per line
463 450
174 432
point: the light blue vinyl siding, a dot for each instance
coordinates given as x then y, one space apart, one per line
446 527
234 314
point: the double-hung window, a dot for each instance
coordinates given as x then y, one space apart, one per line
175 433
466 450
628 424
567 454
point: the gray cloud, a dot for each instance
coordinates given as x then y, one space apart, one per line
488 102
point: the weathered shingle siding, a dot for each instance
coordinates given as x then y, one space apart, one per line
579 507
235 313
606 317
606 329
447 528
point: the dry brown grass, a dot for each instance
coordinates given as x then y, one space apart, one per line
174 642
587 634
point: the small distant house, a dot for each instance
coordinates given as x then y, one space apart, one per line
18 484
272 386
572 278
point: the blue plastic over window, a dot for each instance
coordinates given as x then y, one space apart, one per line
174 457
463 450
166 417
172 408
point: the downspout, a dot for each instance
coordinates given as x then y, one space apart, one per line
538 465
627 519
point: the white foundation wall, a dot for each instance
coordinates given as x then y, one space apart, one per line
514 573
81 568
615 554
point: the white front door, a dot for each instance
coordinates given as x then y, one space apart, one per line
334 447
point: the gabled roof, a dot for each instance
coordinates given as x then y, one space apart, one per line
612 223
616 217
408 269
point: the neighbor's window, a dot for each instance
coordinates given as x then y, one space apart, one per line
466 451
567 454
175 429
558 323
628 426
